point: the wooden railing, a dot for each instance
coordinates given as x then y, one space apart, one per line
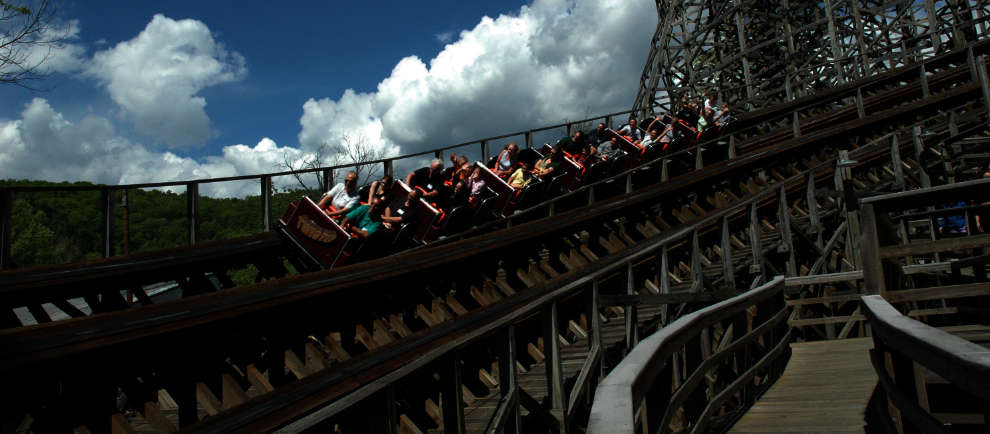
903 349
673 381
750 125
109 193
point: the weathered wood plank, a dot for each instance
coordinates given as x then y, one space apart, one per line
809 397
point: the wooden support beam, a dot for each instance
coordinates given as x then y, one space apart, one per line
233 395
315 360
332 342
258 380
207 400
400 327
927 247
154 416
296 366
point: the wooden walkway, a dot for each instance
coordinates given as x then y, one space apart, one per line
824 389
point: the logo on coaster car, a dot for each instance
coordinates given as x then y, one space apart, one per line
314 231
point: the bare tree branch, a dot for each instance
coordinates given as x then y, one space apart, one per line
352 149
25 30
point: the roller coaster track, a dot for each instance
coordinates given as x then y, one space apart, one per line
258 357
204 268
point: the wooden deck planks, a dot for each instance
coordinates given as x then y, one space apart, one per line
824 389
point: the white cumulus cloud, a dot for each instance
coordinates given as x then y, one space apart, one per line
43 144
156 77
553 60
550 61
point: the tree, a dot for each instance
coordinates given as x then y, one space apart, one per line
352 149
26 40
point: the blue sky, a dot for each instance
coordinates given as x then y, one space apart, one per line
153 91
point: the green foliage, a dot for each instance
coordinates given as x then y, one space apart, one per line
60 227
8 7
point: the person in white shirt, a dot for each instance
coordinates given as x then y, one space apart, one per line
631 130
654 135
342 198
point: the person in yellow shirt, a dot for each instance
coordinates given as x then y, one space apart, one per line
521 176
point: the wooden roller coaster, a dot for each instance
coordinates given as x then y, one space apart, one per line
510 326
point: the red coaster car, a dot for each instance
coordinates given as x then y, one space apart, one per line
314 233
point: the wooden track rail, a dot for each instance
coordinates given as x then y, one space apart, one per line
254 354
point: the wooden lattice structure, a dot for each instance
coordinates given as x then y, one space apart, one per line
755 53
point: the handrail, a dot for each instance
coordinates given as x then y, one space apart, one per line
907 342
99 187
957 192
588 189
621 392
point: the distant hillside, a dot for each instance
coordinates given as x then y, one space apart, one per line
60 227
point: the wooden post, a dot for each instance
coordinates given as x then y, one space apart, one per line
485 152
387 168
732 146
126 220
923 76
895 160
836 52
554 370
529 139
327 180
872 269
971 61
844 184
755 242
741 33
918 149
6 210
796 124
508 376
452 395
663 282
784 221
266 203
697 277
728 270
814 221
391 413
981 70
106 210
860 110
192 211
664 172
632 325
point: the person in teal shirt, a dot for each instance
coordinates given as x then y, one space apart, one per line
365 220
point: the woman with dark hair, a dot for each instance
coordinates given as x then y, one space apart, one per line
381 188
